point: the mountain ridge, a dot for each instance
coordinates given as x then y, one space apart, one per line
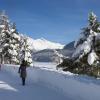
42 43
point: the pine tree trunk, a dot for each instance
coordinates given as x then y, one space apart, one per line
2 61
9 59
93 42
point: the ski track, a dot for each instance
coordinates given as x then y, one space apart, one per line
11 89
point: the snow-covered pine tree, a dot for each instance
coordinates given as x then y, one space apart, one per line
15 44
59 57
86 57
26 51
86 44
3 20
4 33
5 44
9 40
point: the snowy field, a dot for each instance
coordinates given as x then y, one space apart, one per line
45 65
11 88
46 84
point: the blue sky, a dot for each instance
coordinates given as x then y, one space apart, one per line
55 20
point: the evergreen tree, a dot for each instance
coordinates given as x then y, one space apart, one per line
5 34
85 46
26 51
9 40
15 44
3 24
86 57
59 57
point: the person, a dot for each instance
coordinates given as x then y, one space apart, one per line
0 66
22 71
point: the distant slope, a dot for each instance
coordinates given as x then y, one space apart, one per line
69 46
48 55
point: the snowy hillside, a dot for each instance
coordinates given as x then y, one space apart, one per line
48 55
41 44
70 46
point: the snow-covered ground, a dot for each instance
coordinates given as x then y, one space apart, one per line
46 84
45 65
11 88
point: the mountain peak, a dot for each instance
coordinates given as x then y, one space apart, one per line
42 43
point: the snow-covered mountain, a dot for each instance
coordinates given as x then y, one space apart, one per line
41 44
49 55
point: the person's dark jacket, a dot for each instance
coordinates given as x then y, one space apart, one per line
22 70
